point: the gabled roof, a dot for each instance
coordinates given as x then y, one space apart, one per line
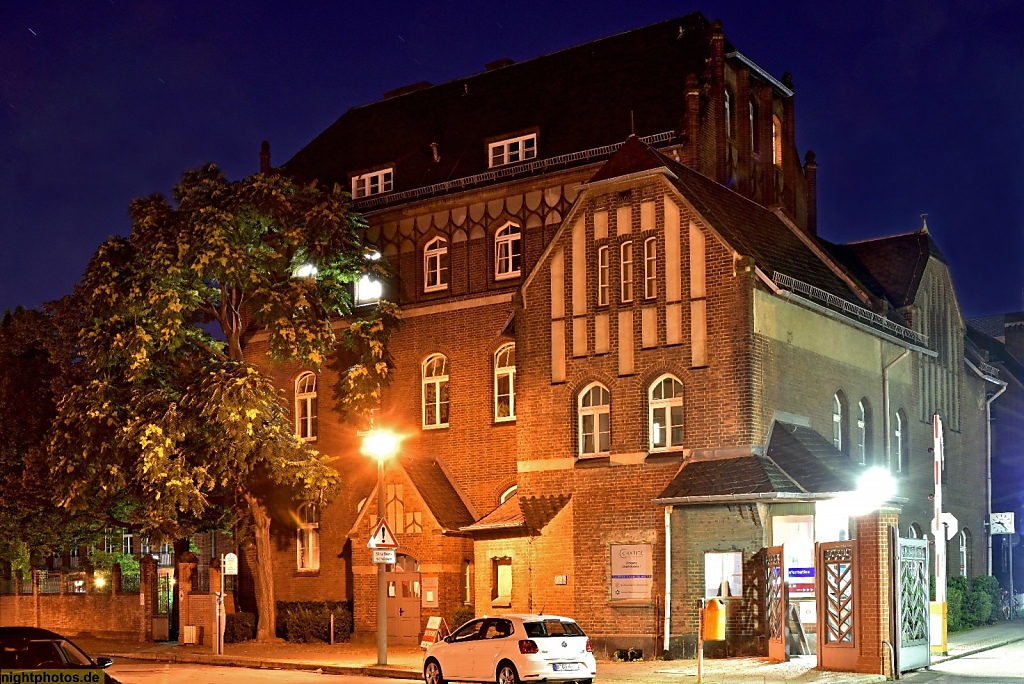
579 98
798 463
891 266
438 492
527 514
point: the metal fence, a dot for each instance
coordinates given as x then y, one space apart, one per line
25 585
164 594
49 583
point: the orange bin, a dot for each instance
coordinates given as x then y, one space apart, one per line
714 620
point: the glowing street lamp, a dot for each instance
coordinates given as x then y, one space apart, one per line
382 445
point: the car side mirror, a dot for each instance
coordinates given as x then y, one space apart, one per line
104 662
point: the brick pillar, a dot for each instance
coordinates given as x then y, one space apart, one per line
115 579
63 582
718 99
37 608
186 570
874 586
147 596
691 153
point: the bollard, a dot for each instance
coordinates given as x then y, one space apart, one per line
332 628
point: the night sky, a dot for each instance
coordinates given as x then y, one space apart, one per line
911 106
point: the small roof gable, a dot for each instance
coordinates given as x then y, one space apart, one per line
528 514
633 157
997 351
506 516
540 510
437 492
891 266
723 477
810 459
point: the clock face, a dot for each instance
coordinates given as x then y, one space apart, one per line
1001 523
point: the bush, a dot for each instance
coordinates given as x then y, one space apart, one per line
954 608
989 585
239 627
310 621
461 616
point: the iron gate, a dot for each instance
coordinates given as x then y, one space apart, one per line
836 592
913 650
775 604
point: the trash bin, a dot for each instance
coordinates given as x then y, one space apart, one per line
714 620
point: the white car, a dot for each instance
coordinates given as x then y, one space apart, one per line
509 649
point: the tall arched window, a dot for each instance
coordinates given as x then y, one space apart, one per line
755 137
307 540
776 140
505 382
650 268
594 411
508 252
435 391
665 426
626 272
728 113
305 406
899 443
966 557
864 432
915 531
839 430
602 275
435 265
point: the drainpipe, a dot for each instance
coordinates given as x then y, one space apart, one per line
668 574
886 418
988 466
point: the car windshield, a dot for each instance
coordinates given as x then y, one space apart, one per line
552 628
74 654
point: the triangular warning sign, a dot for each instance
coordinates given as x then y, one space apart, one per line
382 537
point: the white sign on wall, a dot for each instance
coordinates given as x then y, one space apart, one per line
632 572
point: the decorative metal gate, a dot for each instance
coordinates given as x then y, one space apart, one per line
775 604
913 650
836 592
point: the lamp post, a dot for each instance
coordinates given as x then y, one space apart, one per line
382 445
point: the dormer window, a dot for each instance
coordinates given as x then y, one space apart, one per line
373 183
512 150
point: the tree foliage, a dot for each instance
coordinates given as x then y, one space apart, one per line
170 421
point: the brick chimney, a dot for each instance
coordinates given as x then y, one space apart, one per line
718 98
811 174
692 156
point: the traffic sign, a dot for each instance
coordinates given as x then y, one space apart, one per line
384 556
950 523
382 537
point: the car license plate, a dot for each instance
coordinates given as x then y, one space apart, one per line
565 666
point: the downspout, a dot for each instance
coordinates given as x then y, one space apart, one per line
668 575
988 464
886 418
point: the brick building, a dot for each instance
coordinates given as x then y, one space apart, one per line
625 348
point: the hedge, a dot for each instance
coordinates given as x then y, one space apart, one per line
309 621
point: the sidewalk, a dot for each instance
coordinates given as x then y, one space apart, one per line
405 662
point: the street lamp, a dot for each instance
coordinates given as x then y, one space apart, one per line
382 445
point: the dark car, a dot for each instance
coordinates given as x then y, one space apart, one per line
31 648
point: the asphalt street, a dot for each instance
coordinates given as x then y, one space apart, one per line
146 672
999 665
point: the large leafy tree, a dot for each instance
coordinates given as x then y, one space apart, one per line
170 418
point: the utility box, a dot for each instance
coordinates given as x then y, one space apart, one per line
189 634
714 620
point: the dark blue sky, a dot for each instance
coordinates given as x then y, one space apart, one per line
912 106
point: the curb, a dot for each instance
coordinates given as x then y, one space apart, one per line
979 649
257 663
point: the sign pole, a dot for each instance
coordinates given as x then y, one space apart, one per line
220 610
382 592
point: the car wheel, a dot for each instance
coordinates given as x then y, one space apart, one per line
507 674
585 681
432 673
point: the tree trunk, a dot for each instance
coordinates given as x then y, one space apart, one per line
263 577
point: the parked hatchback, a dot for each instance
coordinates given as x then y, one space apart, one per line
509 649
31 648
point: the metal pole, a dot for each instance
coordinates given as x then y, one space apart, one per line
220 610
382 593
700 642
1009 545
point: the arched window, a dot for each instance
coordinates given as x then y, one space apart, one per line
305 406
505 383
755 137
508 252
650 268
435 391
665 399
467 582
864 432
915 531
966 555
435 265
728 113
602 275
508 494
594 420
839 430
899 443
307 540
626 272
776 140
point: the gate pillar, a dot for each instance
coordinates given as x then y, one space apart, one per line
875 600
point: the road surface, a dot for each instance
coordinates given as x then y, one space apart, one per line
998 666
147 672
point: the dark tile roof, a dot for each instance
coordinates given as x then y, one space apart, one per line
633 157
727 477
891 266
810 459
580 98
437 492
506 515
993 326
539 510
997 352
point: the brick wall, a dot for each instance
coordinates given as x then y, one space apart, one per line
106 615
